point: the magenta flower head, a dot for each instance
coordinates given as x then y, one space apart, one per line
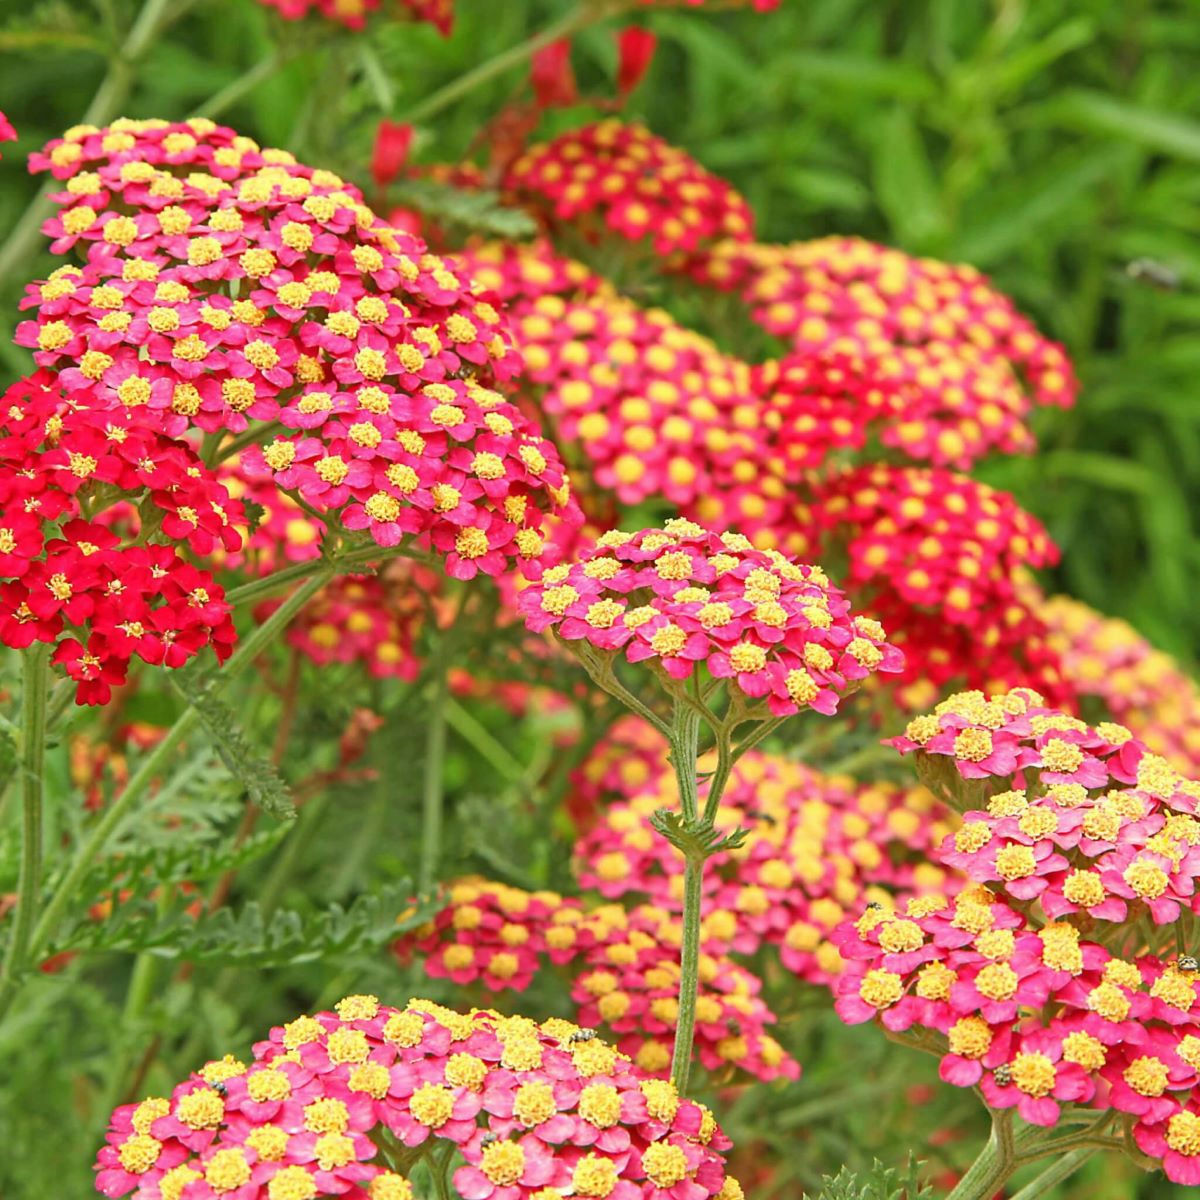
682 599
735 636
507 1107
229 288
1062 973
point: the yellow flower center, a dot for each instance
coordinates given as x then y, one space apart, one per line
1034 1074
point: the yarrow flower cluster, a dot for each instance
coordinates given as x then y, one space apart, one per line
1106 659
618 178
1058 975
354 13
680 596
928 322
940 558
531 1110
815 849
225 284
656 409
622 967
106 585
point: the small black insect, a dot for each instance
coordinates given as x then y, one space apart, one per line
1188 962
873 904
221 1088
488 1139
734 1027
1003 1074
581 1035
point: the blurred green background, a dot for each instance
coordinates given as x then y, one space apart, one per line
1053 144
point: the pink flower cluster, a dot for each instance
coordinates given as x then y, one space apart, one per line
1143 688
354 13
935 325
225 284
105 587
816 848
623 970
1057 976
529 1109
619 178
680 596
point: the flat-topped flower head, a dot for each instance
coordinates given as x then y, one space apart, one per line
680 597
616 178
224 285
526 1110
99 507
1058 975
940 329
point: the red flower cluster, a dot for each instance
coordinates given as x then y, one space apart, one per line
815 849
940 558
225 283
532 1110
623 967
619 178
1141 687
354 13
681 596
849 296
1069 985
70 579
7 132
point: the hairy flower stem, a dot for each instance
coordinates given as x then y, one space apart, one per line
1061 1168
112 93
577 19
685 734
432 789
996 1162
151 767
31 766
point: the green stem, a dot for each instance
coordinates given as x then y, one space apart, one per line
472 731
578 18
685 734
151 767
685 738
32 766
989 1172
345 564
689 973
112 93
1062 1168
245 83
431 797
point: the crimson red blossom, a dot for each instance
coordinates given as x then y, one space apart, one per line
620 179
105 584
354 13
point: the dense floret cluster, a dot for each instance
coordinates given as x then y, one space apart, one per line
1057 976
224 284
528 1110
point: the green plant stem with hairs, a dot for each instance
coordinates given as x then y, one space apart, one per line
31 765
685 736
433 772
